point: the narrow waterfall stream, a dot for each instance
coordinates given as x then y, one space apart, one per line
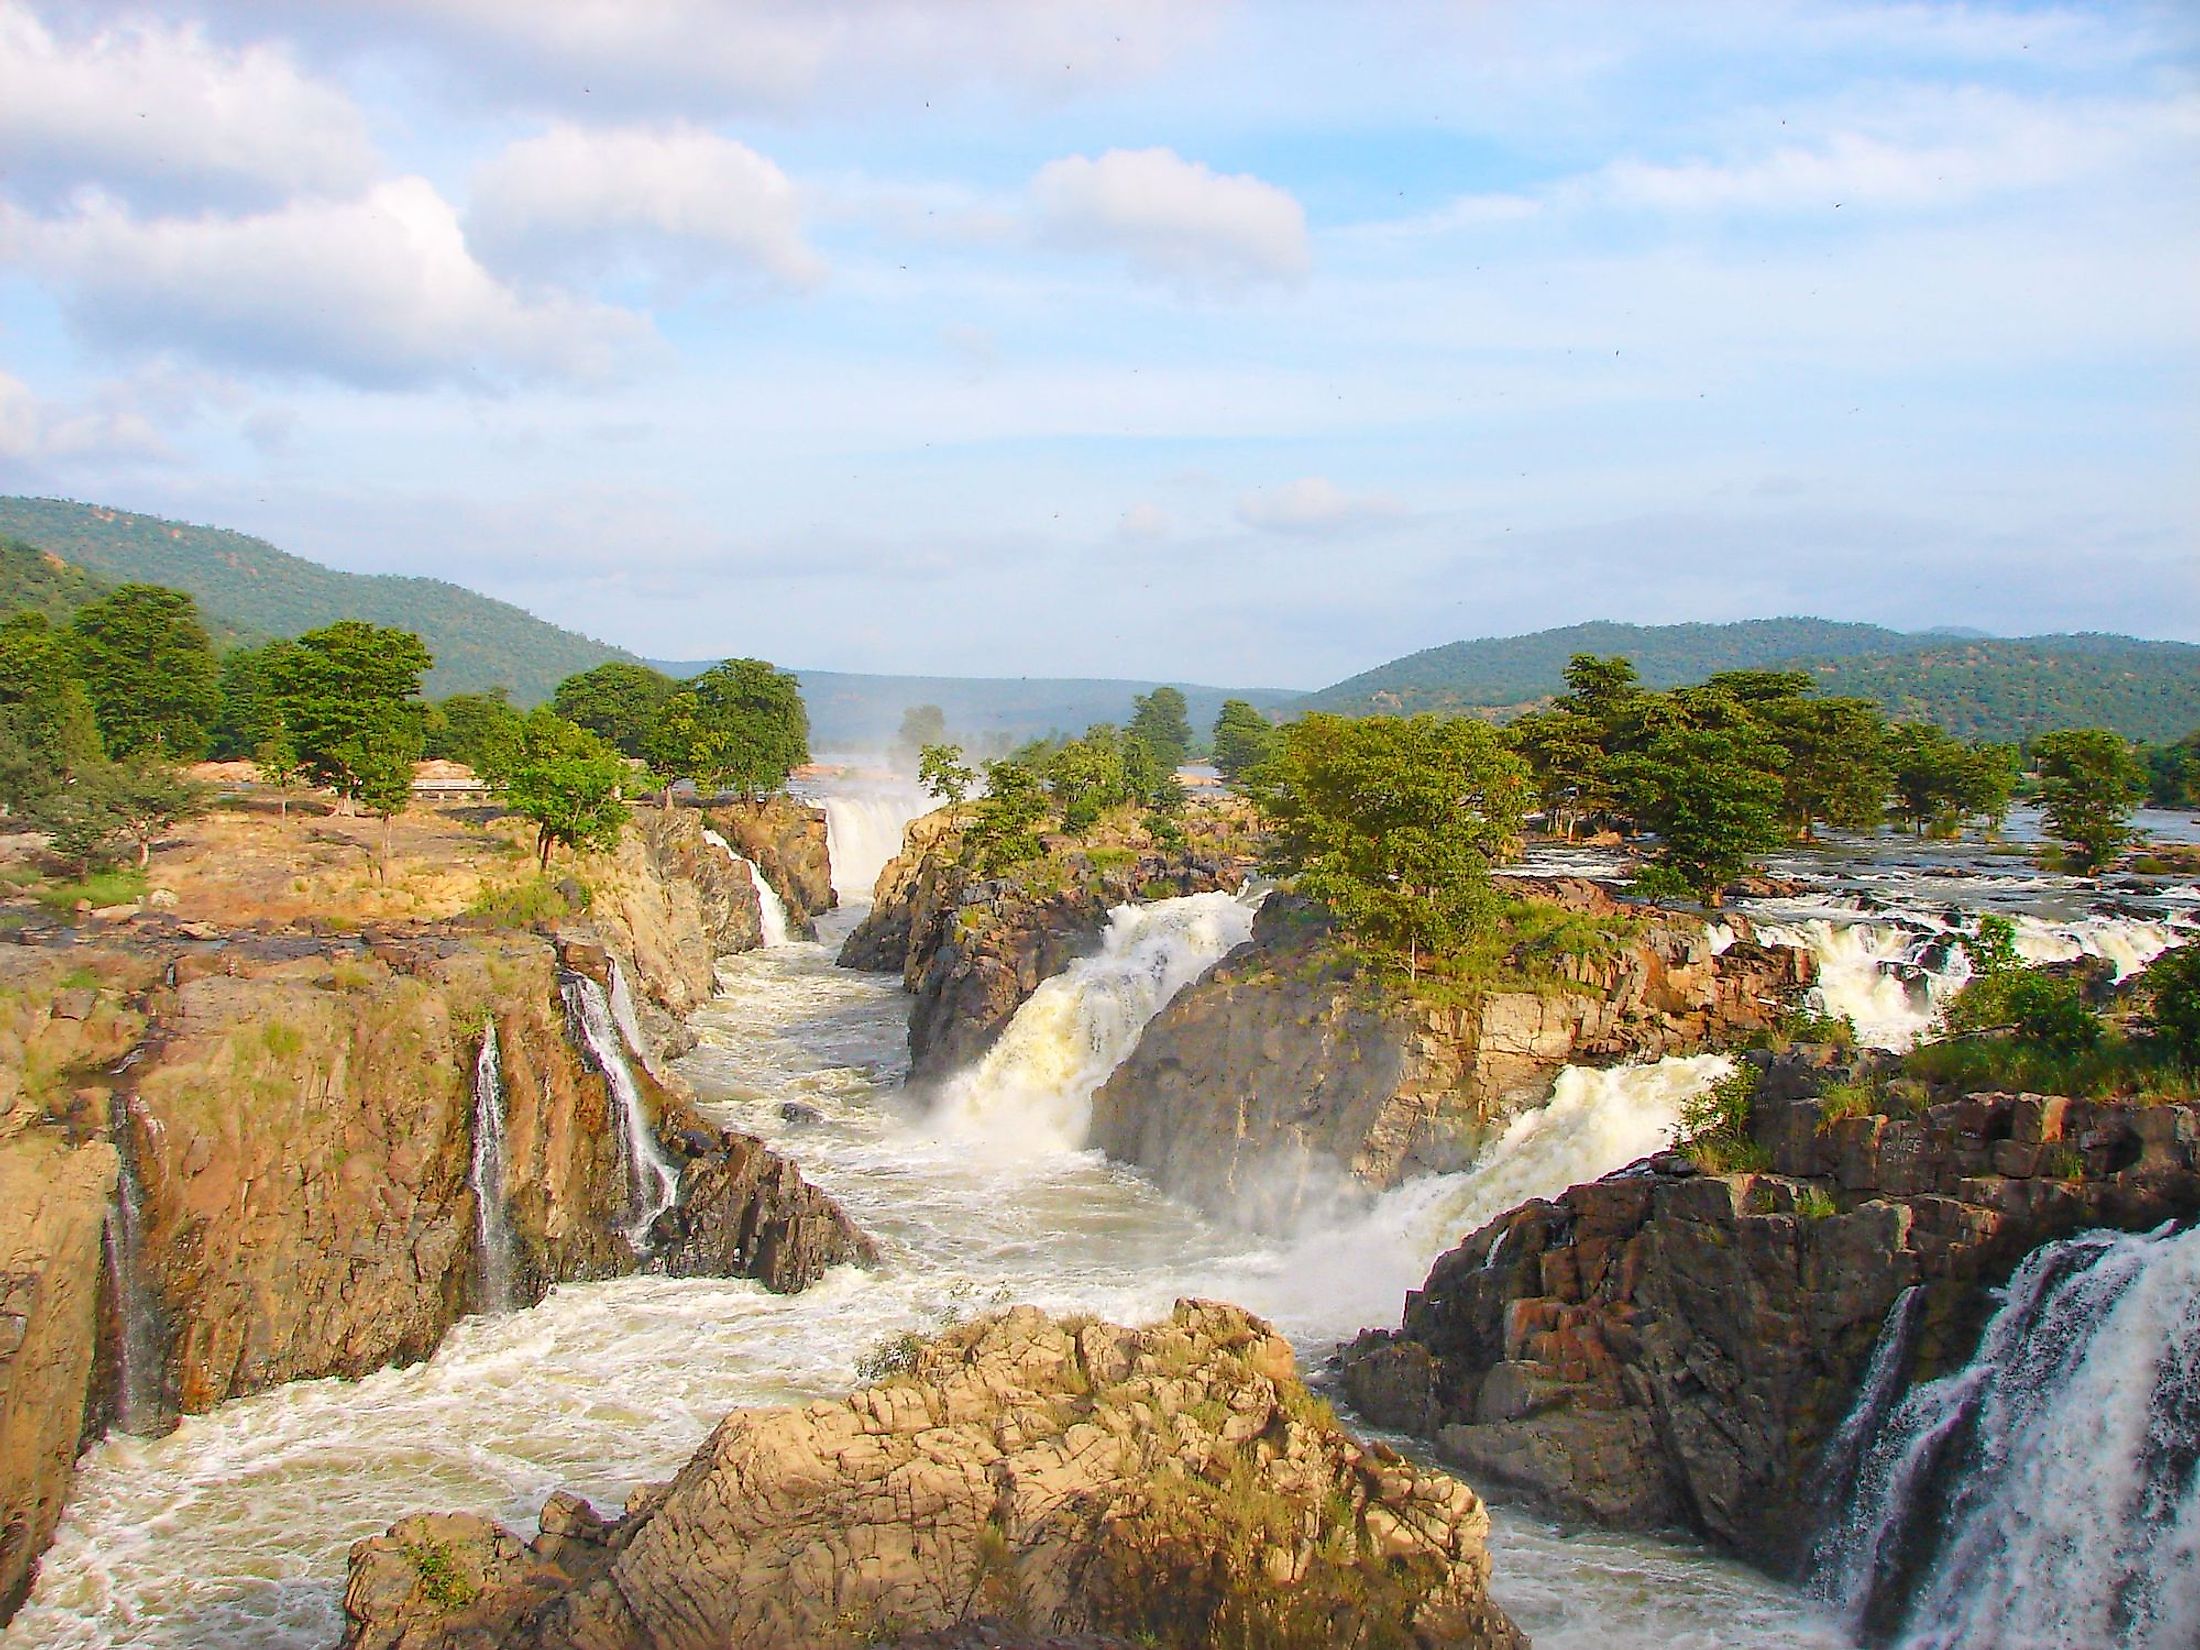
772 923
652 1179
233 1529
138 1407
492 1217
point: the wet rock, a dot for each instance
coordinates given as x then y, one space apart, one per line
1080 1478
787 842
746 1212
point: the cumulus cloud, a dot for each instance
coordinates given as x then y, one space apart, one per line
579 201
1173 218
380 291
1311 505
33 428
1144 522
160 114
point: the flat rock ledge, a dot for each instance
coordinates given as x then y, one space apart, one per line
1016 1478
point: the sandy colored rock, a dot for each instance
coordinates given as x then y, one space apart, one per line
1175 1485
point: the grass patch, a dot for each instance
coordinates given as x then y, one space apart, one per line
442 1582
118 887
521 904
1846 1099
2116 1067
1815 1203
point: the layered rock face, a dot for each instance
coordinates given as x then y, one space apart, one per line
1670 1348
1283 1075
1175 1484
746 1212
786 839
971 950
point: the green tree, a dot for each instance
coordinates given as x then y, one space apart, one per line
144 659
570 783
943 772
759 729
1005 830
2172 988
105 805
377 759
278 763
2173 773
1833 761
1713 799
2089 783
922 726
1086 777
1243 739
1160 719
1564 750
47 730
1392 824
250 714
481 730
349 693
617 701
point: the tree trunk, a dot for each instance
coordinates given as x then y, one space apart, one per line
145 852
383 872
542 851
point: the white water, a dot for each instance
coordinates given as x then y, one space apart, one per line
2072 1438
772 924
1033 1090
137 1343
652 1181
233 1530
863 830
492 1218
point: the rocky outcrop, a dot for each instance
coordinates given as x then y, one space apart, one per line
1176 1485
1670 1348
786 839
972 949
746 1212
1286 1074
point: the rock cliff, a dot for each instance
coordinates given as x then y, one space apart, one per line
1176 1485
1286 1073
786 839
1670 1348
972 949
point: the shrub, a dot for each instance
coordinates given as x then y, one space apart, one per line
516 905
1839 1100
442 1582
1815 1203
2172 987
1714 1126
896 1355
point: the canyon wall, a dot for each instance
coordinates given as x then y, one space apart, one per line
786 839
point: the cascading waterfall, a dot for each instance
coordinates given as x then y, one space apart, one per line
2047 1493
863 830
1883 1378
652 1179
771 909
492 1217
138 1407
1033 1090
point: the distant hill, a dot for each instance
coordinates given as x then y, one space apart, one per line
851 712
43 583
246 586
1979 687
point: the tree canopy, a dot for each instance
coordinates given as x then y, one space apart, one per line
146 663
1160 719
2090 780
617 701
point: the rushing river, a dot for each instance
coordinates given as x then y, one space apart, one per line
233 1530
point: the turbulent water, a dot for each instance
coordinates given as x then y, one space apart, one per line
2048 1493
772 925
652 1179
863 830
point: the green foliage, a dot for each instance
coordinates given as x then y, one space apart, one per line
37 581
569 782
1243 739
1833 765
1393 824
2038 1010
739 726
922 726
249 716
1004 832
1939 782
347 700
1714 1125
1847 1099
521 904
2090 780
2171 986
47 731
895 1355
944 774
1992 950
2173 773
1711 796
2113 1065
106 805
618 701
1815 1203
481 730
145 660
1161 720
442 1582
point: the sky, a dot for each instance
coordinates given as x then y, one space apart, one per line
1241 343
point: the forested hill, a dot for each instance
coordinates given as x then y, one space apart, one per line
41 582
1977 687
246 586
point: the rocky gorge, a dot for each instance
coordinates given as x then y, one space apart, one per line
251 1154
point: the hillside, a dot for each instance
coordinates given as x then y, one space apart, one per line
42 582
853 711
246 586
1978 687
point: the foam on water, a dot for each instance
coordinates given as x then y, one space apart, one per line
864 822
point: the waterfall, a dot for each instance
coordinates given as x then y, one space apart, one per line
771 909
492 1218
652 1180
1033 1090
1883 1377
864 830
138 1404
2047 1493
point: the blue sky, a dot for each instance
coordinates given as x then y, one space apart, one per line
1227 342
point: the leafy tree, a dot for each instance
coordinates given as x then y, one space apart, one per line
2173 773
279 765
2089 783
1243 739
481 730
377 760
47 730
570 783
1159 718
1833 761
1713 799
740 725
107 804
1564 750
1392 824
1148 779
348 694
2172 987
685 743
1087 777
943 772
250 714
618 702
922 726
144 659
1005 832
1605 690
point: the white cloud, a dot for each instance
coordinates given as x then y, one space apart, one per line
32 428
1311 505
582 200
379 292
153 113
1145 522
1173 218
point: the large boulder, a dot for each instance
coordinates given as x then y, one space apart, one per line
1174 1485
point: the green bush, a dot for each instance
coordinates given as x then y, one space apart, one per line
538 899
119 887
1714 1126
2171 985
